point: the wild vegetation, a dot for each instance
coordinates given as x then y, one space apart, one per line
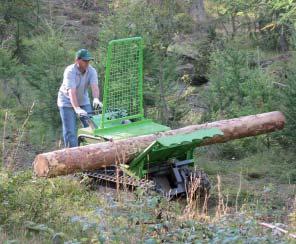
204 60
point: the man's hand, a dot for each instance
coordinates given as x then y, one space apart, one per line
97 103
80 112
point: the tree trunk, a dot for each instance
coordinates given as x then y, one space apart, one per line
164 111
233 20
197 11
283 42
95 156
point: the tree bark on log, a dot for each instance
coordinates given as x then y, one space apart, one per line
95 156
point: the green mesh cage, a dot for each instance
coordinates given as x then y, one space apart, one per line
123 94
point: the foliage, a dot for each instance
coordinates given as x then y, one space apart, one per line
184 23
12 82
156 23
286 10
270 24
163 86
274 27
236 13
24 199
63 209
47 59
236 89
18 18
288 98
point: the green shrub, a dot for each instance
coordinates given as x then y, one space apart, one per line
236 89
156 23
38 200
288 98
46 62
289 177
12 84
184 23
20 19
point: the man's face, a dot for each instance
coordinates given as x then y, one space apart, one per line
82 64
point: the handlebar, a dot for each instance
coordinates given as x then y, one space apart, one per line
88 119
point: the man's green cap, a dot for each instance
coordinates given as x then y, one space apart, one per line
84 55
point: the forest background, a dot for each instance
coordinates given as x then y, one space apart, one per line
203 61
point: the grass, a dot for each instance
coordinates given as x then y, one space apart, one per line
62 209
258 180
246 191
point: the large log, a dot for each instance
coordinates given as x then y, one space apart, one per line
95 156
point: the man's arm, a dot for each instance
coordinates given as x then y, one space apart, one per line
73 98
74 102
69 81
95 91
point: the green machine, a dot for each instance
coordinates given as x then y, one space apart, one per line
168 162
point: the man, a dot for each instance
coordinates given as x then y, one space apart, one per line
73 98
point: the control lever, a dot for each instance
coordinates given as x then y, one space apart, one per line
88 119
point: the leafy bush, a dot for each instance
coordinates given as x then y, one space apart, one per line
19 17
163 85
46 62
236 89
184 23
288 98
12 83
47 208
156 23
23 199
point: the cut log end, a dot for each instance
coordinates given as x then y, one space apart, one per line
41 166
